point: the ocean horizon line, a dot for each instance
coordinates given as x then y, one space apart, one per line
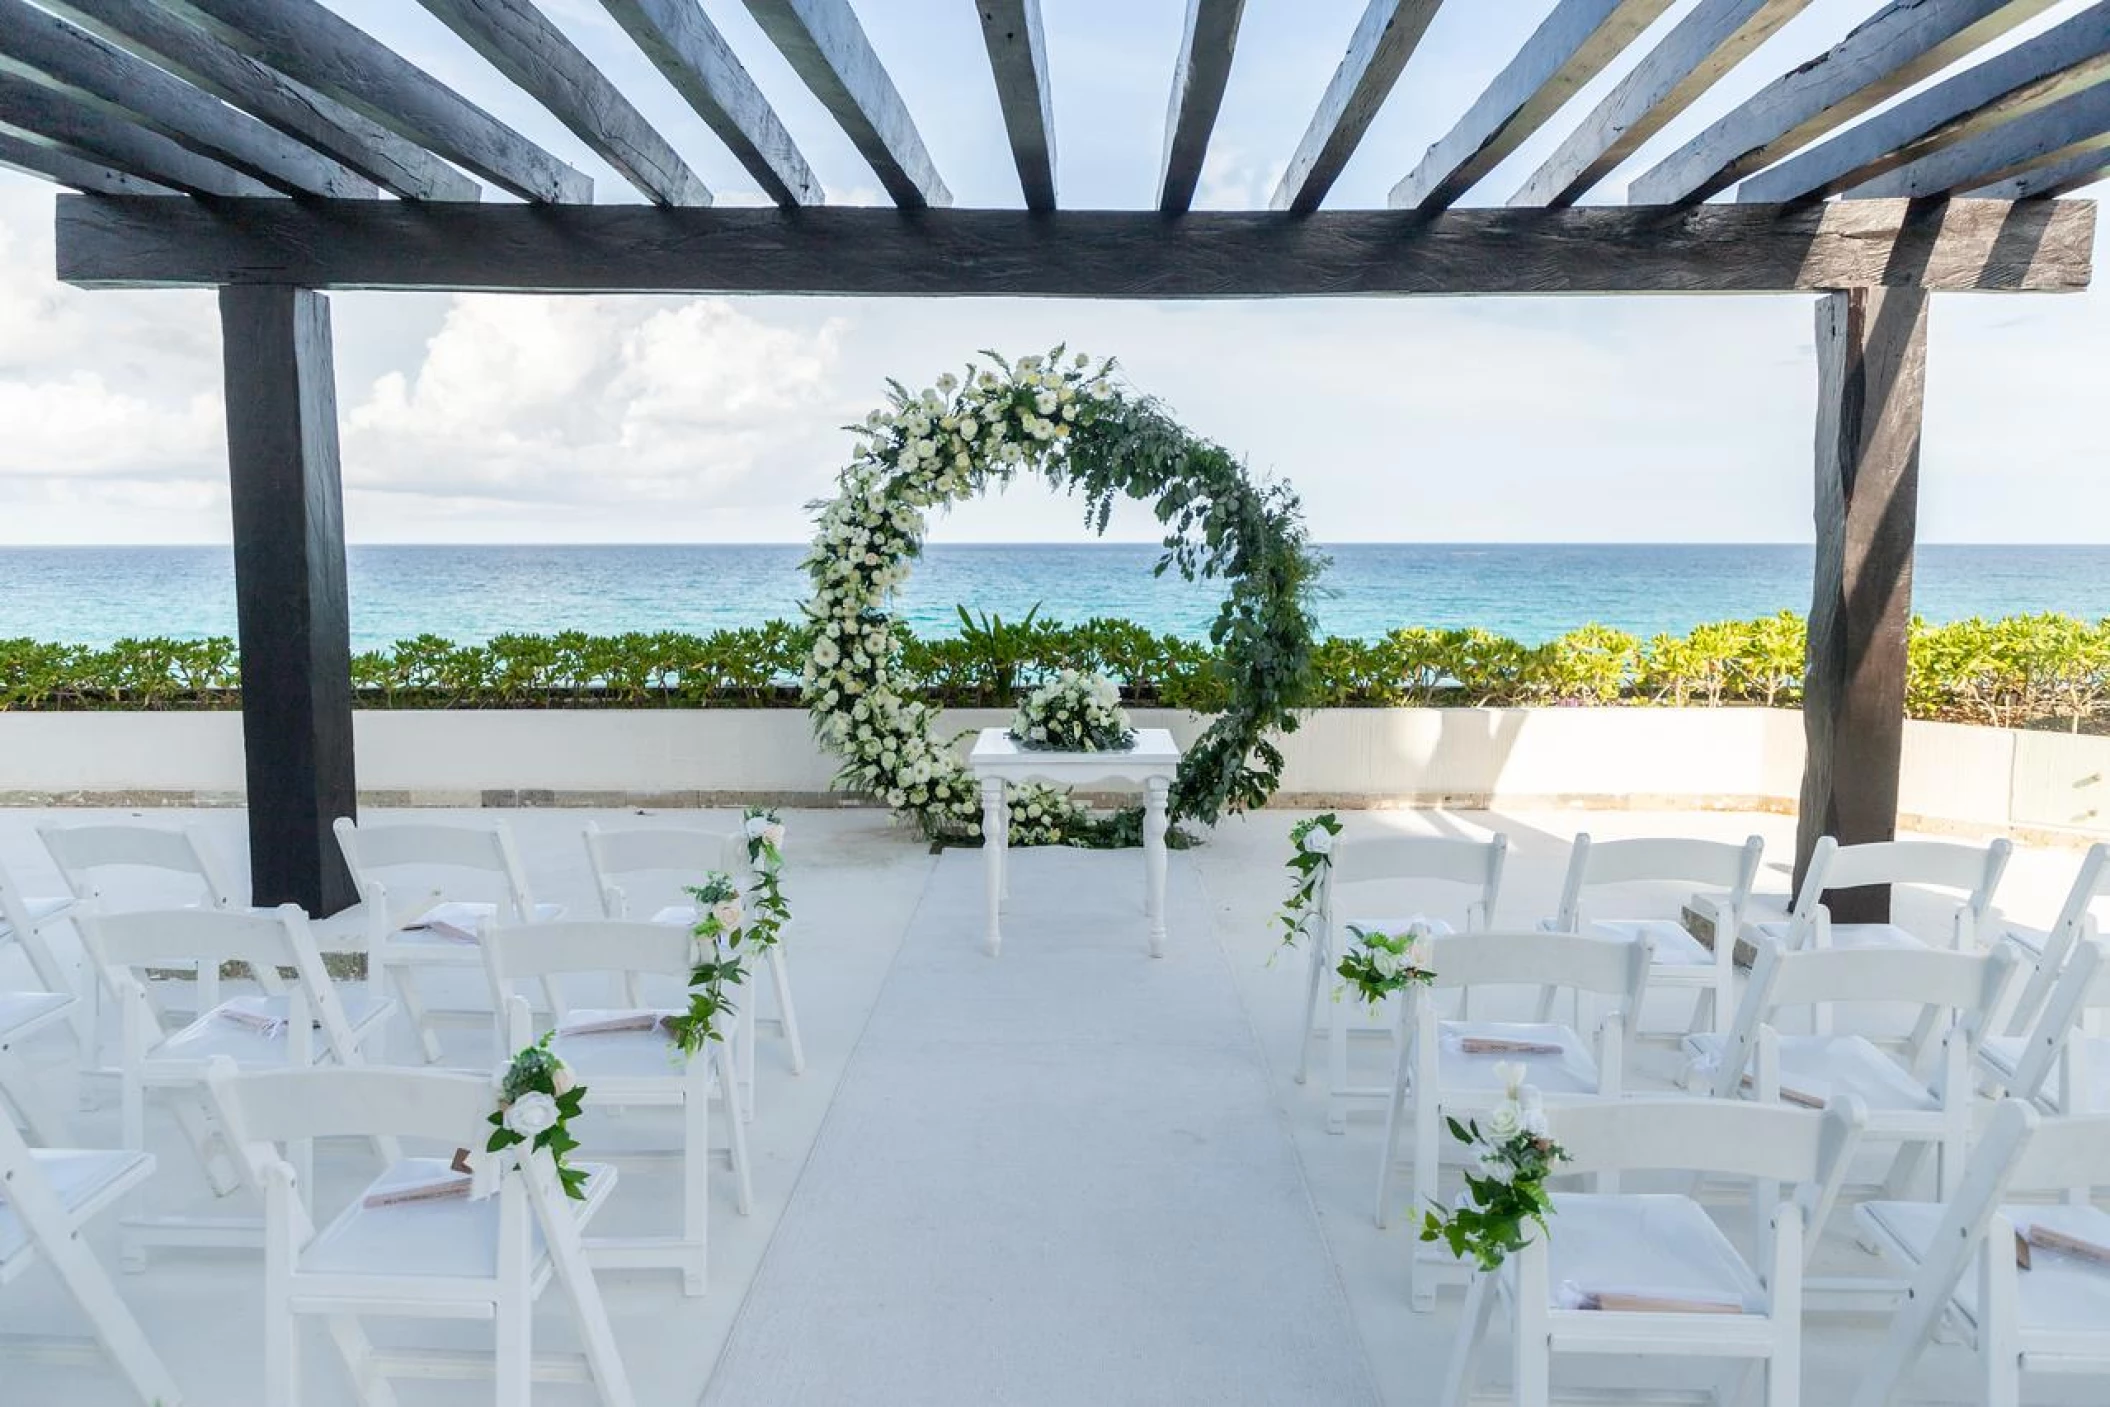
1081 544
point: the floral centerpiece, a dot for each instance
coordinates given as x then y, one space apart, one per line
1375 964
1073 712
538 1097
721 929
1507 1196
1310 858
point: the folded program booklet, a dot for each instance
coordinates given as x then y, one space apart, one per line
618 1021
1638 1302
1503 1045
2044 1238
437 1189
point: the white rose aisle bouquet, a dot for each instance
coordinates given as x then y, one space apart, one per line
1073 712
765 856
1508 1195
721 929
1310 857
1374 964
538 1097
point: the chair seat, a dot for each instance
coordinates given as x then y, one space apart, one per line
452 1237
467 917
24 1013
619 1055
683 915
1854 935
235 1028
1674 946
2059 1293
1822 1067
1657 1245
38 910
2004 1054
80 1177
1571 1070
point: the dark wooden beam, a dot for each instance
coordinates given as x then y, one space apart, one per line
693 56
519 41
303 114
1018 58
1871 377
1384 40
40 46
18 153
1568 49
2043 245
48 115
1712 39
2075 173
290 597
827 48
310 44
2051 135
1899 45
2034 74
1197 96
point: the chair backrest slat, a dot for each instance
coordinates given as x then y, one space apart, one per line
141 938
286 1106
82 851
1670 859
485 848
1939 864
1374 859
681 854
1776 1142
1533 958
516 951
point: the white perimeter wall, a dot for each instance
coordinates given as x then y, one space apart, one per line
1737 758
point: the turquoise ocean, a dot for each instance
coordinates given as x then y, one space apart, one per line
92 595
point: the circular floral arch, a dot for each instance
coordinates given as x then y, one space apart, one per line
1082 429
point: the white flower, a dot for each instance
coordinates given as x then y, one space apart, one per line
562 1080
728 913
755 826
1504 1122
1535 1120
773 835
1318 841
947 384
1511 1073
1081 361
1387 962
532 1113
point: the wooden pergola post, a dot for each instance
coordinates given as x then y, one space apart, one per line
290 591
1871 377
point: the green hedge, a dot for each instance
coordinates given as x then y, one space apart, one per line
2016 672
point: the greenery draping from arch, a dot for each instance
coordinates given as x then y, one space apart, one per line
1087 433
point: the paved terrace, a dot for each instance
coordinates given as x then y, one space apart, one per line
1071 1175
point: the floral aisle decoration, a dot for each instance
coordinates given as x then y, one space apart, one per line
1507 1196
538 1097
1073 712
1071 421
1310 860
770 910
719 963
1375 965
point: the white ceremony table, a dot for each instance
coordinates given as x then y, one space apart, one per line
998 762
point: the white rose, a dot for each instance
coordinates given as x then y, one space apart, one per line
1387 962
773 834
1318 841
1506 1120
755 826
532 1113
728 913
1535 1121
563 1080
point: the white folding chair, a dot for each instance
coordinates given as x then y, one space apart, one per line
2052 1318
1651 1274
1449 1066
2047 949
1956 995
24 1016
627 1059
1682 961
29 921
1970 871
668 858
1367 874
2059 1042
413 925
287 1023
406 1248
51 1196
118 865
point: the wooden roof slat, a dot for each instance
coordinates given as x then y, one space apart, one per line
1700 49
69 168
2041 245
1384 40
1018 58
1198 84
827 48
53 116
312 45
1889 52
519 41
693 56
2057 178
303 114
1571 47
40 46
2068 128
2032 75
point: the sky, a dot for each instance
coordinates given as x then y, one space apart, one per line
593 419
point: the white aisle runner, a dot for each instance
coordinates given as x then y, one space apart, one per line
1050 1177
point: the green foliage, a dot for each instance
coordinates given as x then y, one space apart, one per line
2042 670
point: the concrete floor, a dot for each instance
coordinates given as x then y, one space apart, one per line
858 883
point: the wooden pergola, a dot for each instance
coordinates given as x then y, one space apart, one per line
274 151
